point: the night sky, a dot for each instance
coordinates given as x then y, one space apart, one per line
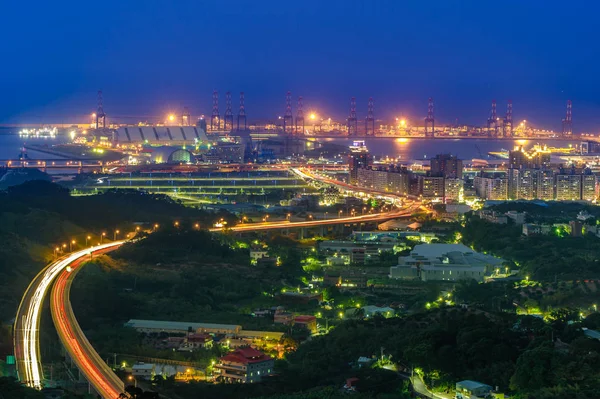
150 57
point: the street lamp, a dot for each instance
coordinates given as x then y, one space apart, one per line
102 236
197 225
86 240
115 235
176 224
56 251
340 213
71 245
131 378
156 226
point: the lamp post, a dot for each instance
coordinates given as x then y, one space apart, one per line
176 224
102 236
71 245
155 226
340 213
56 252
87 238
115 235
132 378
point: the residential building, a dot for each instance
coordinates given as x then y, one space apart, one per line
144 371
453 190
431 186
491 188
588 186
468 389
492 216
446 165
283 317
446 262
517 217
545 184
393 180
244 365
358 158
537 157
195 341
306 321
568 187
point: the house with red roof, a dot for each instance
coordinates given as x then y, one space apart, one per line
244 365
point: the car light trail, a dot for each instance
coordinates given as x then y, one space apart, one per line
27 322
96 371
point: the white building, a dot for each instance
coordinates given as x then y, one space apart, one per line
447 262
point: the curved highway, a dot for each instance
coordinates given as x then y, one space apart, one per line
96 371
27 320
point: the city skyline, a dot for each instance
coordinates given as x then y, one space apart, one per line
398 54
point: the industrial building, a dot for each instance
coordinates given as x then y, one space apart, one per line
157 326
160 135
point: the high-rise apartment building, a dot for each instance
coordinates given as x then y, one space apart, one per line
446 165
545 184
393 180
538 157
453 190
431 186
358 158
491 188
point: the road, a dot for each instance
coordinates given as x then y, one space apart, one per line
410 206
27 320
375 217
96 371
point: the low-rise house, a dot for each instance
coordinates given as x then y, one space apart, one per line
144 371
283 317
244 365
469 389
306 321
195 341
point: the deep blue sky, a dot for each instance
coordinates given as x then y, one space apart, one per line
152 56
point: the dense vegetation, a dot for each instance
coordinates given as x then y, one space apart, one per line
543 257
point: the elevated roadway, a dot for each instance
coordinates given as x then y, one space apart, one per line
96 371
375 217
27 321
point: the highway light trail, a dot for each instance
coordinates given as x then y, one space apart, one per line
96 371
27 322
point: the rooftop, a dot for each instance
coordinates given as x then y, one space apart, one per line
472 385
245 355
177 325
